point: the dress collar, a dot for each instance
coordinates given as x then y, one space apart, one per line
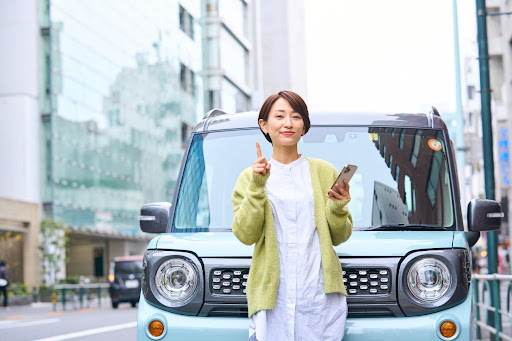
290 165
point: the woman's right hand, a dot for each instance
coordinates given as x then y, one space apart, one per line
260 166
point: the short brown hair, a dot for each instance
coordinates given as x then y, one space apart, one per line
296 102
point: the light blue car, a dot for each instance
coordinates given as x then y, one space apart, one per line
407 265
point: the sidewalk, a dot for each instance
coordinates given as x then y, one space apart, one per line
40 308
13 312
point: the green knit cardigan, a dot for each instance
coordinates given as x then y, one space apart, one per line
253 222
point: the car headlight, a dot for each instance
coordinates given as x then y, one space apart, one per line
176 279
428 279
432 280
173 281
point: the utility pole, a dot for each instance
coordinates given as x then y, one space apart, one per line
485 98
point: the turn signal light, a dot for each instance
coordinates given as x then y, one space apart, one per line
111 277
156 328
448 329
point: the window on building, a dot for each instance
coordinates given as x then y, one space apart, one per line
402 140
415 149
187 80
234 14
211 100
471 91
186 22
115 97
234 58
114 118
233 99
184 134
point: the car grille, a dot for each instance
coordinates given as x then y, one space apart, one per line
359 281
228 281
367 281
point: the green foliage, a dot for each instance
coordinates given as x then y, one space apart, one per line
45 290
70 280
53 249
17 289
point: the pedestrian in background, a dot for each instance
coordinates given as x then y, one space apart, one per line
4 282
295 289
503 267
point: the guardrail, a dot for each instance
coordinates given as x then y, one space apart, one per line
487 294
79 294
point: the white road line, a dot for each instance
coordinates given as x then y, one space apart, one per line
16 324
90 332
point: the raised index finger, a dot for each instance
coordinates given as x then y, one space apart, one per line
258 150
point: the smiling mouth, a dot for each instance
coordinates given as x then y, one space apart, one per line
288 134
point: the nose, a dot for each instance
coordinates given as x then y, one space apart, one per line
288 121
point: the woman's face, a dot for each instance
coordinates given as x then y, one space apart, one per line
284 125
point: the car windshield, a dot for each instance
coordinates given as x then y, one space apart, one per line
128 267
402 180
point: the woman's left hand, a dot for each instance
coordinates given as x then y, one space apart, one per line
342 194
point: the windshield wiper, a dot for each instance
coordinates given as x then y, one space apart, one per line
407 227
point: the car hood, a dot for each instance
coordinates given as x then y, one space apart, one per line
360 244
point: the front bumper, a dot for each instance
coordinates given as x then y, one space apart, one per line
419 328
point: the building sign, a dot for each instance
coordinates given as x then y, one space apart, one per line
503 156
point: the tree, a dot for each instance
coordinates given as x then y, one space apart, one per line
53 249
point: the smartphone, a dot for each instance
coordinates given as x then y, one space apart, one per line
346 174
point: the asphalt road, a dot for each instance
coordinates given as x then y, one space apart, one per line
42 323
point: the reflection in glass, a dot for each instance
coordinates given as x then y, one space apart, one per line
122 91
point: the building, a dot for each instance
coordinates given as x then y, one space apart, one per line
229 26
283 49
97 102
95 109
20 134
499 35
251 50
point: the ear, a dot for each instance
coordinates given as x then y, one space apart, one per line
263 125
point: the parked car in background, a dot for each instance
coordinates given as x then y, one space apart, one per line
406 267
125 276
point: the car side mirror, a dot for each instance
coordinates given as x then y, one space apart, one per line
154 217
484 215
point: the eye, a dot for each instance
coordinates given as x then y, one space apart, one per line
279 115
298 117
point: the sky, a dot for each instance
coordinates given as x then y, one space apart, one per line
387 56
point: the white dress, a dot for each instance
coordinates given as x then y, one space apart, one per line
303 311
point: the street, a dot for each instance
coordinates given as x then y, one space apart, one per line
39 322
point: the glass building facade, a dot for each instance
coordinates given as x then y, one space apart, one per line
228 47
121 89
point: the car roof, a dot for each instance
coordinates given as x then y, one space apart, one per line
219 120
127 258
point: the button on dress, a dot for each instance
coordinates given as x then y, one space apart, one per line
303 311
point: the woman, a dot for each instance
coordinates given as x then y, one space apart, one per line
295 289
